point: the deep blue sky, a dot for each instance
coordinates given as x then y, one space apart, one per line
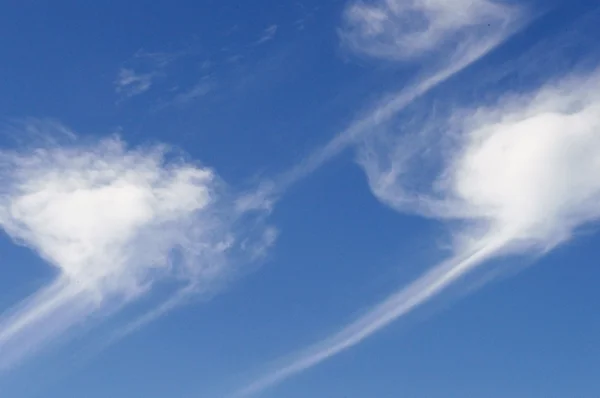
261 107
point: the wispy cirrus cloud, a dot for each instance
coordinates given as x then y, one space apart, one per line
451 41
129 83
205 86
268 34
404 30
114 221
200 89
139 74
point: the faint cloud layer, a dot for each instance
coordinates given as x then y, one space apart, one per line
114 221
129 83
147 70
268 34
401 29
201 89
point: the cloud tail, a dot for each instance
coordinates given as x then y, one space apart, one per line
397 305
42 317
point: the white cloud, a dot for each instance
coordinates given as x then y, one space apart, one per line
405 29
129 83
489 157
113 221
518 176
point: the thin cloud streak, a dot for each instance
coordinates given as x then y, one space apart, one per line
268 35
460 57
129 83
386 312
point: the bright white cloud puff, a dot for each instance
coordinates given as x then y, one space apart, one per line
112 221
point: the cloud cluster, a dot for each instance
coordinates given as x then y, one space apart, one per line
518 176
112 221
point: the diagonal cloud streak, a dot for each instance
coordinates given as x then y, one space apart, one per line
466 38
395 306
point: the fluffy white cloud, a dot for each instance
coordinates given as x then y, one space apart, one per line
527 165
113 221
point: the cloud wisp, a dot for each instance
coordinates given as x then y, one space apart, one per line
129 83
268 35
517 177
140 73
112 222
449 41
406 30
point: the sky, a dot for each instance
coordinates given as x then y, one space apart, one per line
335 198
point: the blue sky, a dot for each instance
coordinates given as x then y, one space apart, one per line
288 199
